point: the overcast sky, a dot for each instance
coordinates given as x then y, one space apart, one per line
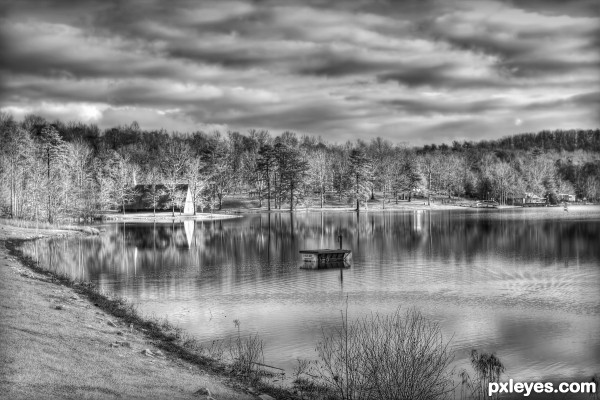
416 71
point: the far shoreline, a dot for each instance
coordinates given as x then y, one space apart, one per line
163 217
232 213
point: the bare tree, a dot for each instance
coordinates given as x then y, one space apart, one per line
488 368
15 160
265 166
221 172
197 182
386 174
123 190
174 160
80 156
54 154
156 191
429 168
319 172
396 356
361 174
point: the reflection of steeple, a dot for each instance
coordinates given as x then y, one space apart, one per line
188 227
135 256
418 221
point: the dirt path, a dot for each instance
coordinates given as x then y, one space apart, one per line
54 344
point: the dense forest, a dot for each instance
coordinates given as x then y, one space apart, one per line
52 171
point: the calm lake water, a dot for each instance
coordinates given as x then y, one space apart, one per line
523 283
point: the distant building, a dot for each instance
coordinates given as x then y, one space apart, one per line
532 200
516 201
143 199
566 197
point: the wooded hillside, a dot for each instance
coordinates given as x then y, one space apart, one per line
55 170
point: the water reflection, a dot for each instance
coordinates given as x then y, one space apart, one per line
523 283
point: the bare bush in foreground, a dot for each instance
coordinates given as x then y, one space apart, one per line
246 353
488 368
396 356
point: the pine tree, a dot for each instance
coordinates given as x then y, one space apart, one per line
265 166
54 153
361 173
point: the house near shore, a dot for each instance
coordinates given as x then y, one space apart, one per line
165 197
566 197
527 200
516 200
532 200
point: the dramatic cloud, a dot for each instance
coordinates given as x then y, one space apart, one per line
409 71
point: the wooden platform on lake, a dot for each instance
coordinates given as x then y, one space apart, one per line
325 256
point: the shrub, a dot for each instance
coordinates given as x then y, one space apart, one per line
488 368
246 353
396 356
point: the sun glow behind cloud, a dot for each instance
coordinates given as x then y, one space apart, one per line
406 71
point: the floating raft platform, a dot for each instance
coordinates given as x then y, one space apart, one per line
325 256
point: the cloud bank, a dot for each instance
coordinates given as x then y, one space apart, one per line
408 71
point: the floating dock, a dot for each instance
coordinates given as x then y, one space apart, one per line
325 256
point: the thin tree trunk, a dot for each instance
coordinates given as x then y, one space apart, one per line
12 195
357 201
259 197
321 197
429 189
268 190
291 199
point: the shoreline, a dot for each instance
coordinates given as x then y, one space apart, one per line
234 212
67 339
236 207
164 217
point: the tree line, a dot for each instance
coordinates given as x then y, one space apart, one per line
55 170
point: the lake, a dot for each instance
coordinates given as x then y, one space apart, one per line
523 283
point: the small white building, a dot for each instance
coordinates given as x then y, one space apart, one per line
566 197
143 200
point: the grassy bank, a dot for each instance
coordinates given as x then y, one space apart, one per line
66 339
46 228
